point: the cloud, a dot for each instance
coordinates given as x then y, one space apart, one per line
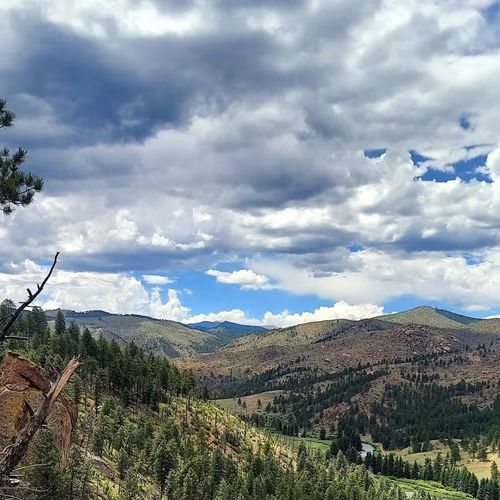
184 135
234 316
171 309
154 279
376 277
124 294
246 278
340 310
82 291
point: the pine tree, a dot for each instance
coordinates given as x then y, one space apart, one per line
60 323
47 478
164 462
454 453
495 477
301 457
482 453
16 187
223 491
88 345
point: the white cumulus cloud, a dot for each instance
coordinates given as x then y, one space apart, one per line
340 310
155 279
245 278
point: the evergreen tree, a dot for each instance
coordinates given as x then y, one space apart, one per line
495 477
454 453
60 323
482 453
48 477
163 464
17 188
89 346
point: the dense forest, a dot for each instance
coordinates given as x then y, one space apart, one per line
409 414
414 410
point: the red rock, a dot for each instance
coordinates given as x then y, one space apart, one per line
23 381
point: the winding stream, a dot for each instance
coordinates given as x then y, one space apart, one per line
366 448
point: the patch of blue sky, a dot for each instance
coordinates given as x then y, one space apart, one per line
472 259
465 122
355 248
406 302
466 170
418 158
374 153
210 296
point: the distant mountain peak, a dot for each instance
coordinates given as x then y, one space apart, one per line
430 316
226 327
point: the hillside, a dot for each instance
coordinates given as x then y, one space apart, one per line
335 344
379 373
163 337
226 329
145 432
145 429
431 316
332 345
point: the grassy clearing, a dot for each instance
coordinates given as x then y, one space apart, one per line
231 404
310 443
480 469
437 490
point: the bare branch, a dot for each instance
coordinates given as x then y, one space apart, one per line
31 297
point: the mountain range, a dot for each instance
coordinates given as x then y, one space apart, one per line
340 343
227 327
167 338
322 341
317 374
402 380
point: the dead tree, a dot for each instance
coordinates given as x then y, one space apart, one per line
12 455
11 319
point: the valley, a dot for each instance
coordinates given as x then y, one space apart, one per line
412 398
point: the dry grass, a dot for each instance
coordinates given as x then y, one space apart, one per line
231 404
480 469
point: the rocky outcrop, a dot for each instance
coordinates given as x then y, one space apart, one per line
22 387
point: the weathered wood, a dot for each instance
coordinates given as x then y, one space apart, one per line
12 455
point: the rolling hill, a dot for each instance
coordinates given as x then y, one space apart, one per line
163 337
334 344
326 345
320 371
227 328
431 316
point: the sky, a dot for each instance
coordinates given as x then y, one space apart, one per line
266 162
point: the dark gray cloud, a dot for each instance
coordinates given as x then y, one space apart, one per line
124 88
